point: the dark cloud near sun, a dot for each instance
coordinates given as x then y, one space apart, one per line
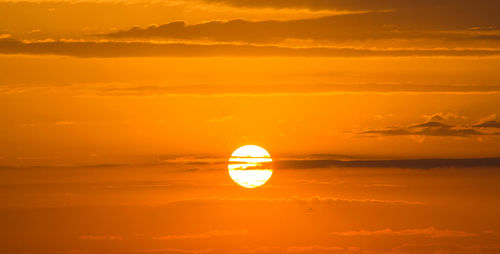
403 164
146 49
204 163
319 161
436 127
431 128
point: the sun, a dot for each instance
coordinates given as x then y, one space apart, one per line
250 166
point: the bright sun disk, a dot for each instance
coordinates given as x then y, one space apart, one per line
250 166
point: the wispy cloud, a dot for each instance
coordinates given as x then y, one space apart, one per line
5 36
401 163
457 248
65 123
315 200
426 232
280 89
101 237
209 234
161 251
431 128
378 25
440 116
205 162
488 122
220 119
71 251
107 49
306 249
295 249
358 5
437 127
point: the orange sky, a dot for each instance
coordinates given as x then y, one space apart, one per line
117 120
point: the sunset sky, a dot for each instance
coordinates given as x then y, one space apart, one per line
118 118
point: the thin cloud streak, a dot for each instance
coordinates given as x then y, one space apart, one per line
436 128
430 232
357 4
298 163
110 49
100 237
161 251
402 164
295 89
315 200
262 90
205 235
295 249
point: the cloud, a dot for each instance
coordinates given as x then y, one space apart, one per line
382 116
148 49
295 249
360 4
73 251
65 123
342 161
5 36
289 89
125 251
349 27
489 118
445 248
431 128
430 232
220 119
100 237
209 234
161 251
192 159
380 185
324 161
488 124
47 15
313 248
315 200
404 164
440 116
436 127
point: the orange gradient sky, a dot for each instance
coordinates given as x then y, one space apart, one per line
117 121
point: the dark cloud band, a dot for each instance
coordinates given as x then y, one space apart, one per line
361 4
404 164
361 26
146 49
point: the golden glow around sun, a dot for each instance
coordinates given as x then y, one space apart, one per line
250 166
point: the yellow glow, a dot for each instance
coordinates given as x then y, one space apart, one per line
250 166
